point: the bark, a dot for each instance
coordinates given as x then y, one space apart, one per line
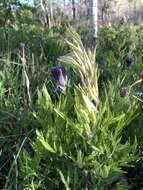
73 9
93 17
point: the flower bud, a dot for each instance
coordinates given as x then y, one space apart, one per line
123 92
59 75
128 61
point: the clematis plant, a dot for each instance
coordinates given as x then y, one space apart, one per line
59 74
128 61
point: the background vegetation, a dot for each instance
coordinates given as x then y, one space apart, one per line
87 136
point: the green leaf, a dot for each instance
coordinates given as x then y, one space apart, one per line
63 180
44 143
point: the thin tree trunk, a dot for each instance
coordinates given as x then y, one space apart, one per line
73 9
86 10
51 17
80 13
93 17
135 11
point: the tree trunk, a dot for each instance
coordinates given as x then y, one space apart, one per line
135 11
73 9
51 17
93 17
80 12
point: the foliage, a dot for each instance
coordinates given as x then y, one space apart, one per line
114 44
87 137
78 143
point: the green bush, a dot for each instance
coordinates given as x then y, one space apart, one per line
79 143
113 45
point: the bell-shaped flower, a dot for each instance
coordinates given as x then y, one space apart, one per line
128 61
59 75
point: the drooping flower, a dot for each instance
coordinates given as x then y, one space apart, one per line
59 75
123 92
128 61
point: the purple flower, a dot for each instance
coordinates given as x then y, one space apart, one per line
128 61
123 92
59 75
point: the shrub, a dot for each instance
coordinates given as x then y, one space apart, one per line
79 142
